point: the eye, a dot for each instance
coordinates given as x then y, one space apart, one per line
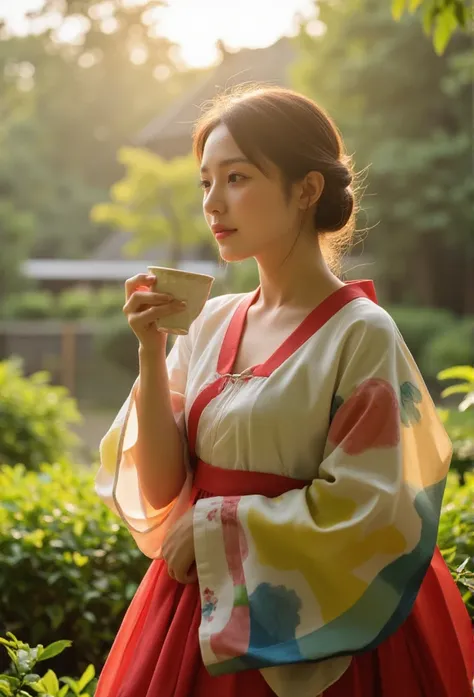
236 174
233 177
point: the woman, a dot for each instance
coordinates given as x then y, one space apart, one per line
285 466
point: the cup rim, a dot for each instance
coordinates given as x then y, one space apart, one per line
182 273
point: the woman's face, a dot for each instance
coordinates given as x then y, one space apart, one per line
239 197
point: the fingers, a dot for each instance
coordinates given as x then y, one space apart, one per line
141 279
141 319
179 577
139 298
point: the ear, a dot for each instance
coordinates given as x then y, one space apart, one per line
311 188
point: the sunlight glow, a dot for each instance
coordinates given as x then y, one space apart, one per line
195 25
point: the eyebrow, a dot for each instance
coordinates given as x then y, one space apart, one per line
229 161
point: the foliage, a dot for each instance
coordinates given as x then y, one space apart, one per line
71 304
441 18
453 346
158 200
75 303
465 373
456 535
29 305
58 160
67 567
118 344
411 141
22 681
34 417
435 337
460 424
420 325
16 228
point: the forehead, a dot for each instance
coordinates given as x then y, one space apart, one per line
221 150
219 145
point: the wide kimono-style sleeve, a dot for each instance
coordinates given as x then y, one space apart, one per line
117 480
334 568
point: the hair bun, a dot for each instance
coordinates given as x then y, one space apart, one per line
336 204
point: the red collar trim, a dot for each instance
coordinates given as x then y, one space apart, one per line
308 327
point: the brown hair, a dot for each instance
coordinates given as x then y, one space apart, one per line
294 133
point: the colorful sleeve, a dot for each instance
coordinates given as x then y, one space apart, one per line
334 568
117 479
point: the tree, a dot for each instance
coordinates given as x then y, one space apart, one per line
405 113
80 102
441 18
158 200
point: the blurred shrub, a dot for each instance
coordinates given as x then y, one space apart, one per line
22 679
29 305
75 303
419 326
108 302
456 535
67 567
453 346
71 304
34 417
118 344
81 303
459 422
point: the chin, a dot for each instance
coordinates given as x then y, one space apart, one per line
231 253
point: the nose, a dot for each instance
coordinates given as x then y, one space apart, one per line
214 202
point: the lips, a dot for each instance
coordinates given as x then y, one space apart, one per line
224 233
221 231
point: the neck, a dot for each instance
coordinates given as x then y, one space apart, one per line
304 278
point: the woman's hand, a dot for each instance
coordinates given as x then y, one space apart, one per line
143 306
178 550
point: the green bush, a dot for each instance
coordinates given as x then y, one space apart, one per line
22 681
453 346
108 302
34 417
75 303
419 326
118 343
29 305
456 534
67 567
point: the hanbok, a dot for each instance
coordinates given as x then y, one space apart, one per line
317 479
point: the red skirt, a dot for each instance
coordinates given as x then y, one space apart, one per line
156 652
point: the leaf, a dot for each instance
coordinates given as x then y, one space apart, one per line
51 682
461 372
429 14
455 389
86 677
398 7
63 691
414 5
445 27
461 568
54 649
56 615
461 13
72 684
